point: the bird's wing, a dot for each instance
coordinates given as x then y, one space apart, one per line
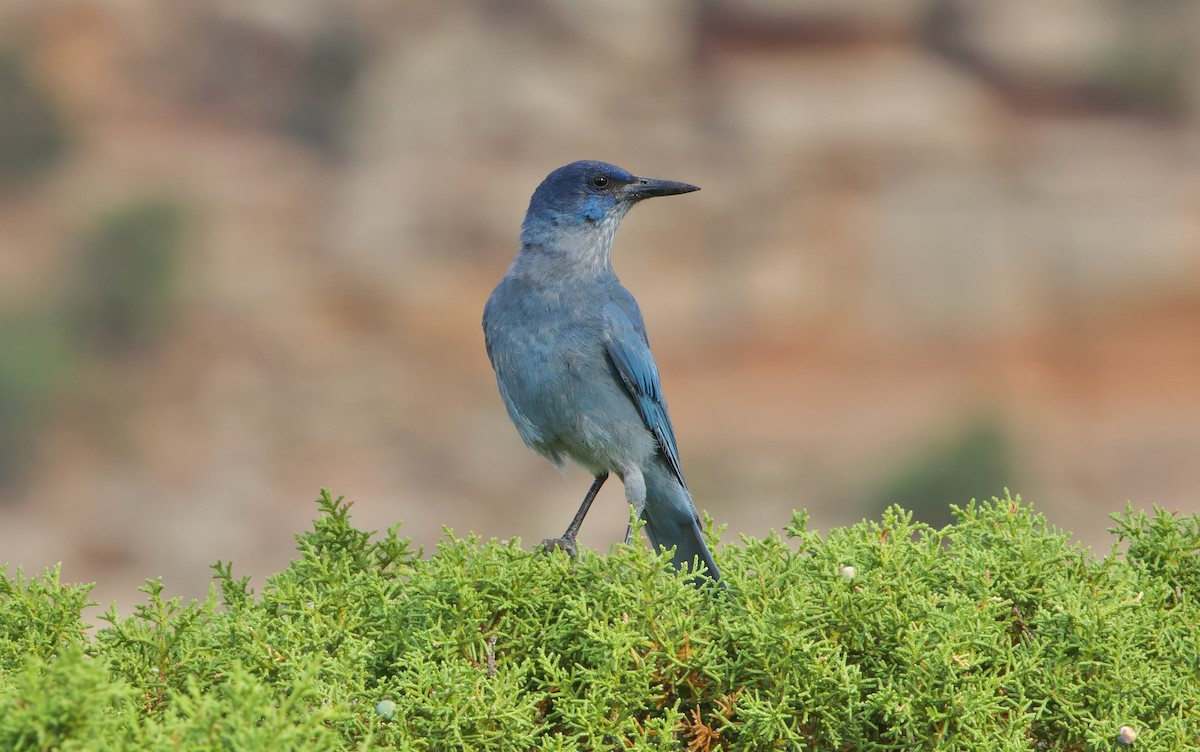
625 337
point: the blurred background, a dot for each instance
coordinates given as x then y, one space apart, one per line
943 247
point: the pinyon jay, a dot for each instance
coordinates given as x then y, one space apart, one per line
572 359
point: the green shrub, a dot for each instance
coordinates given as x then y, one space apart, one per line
975 462
126 284
1149 66
32 134
994 633
120 299
35 358
316 102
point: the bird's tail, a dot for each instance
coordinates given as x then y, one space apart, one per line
671 521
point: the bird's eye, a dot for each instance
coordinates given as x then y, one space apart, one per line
599 182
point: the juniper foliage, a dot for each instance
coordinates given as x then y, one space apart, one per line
993 633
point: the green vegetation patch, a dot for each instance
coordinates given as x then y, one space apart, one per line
33 135
126 284
994 633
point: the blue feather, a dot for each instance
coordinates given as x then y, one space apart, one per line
629 348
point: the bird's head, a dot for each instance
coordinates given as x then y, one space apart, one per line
589 197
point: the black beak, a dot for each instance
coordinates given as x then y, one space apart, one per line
642 188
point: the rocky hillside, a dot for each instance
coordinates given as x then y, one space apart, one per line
941 247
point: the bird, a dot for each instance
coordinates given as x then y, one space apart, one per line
572 359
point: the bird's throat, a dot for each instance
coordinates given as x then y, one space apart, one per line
579 252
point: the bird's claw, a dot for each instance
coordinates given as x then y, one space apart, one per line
551 545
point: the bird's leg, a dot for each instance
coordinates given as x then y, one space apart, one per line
577 521
637 515
635 494
567 541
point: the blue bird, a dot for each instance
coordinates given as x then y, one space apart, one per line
572 360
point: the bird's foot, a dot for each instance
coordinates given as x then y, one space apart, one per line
550 545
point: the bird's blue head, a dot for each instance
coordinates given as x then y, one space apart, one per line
589 195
